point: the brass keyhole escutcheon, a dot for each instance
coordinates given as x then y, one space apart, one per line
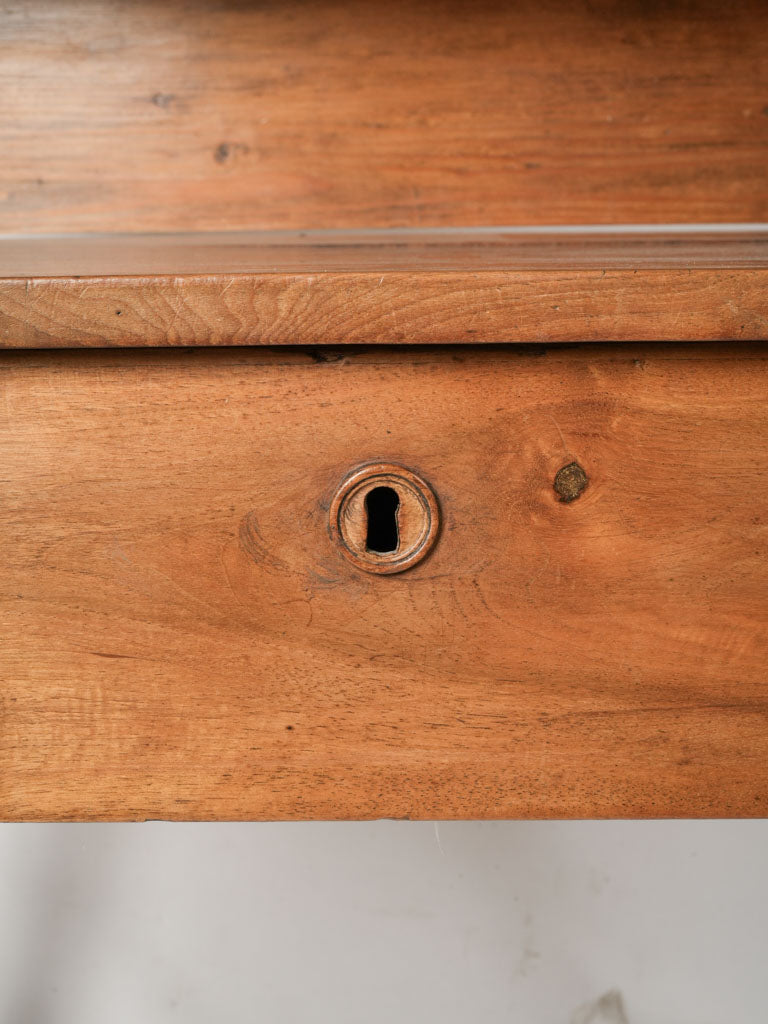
384 518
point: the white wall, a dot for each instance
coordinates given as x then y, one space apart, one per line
385 922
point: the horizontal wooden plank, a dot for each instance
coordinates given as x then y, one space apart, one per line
383 287
182 638
457 250
204 115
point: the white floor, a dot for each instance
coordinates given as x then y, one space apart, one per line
385 923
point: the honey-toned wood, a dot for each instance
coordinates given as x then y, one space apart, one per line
181 637
381 287
198 114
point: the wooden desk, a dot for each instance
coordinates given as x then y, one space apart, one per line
569 617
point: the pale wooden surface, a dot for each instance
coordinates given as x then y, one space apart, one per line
456 250
181 639
172 115
373 288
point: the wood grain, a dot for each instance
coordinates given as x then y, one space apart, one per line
182 639
381 288
203 114
691 247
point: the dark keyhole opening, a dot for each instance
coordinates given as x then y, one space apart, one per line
381 505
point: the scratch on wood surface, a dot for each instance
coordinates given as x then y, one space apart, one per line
562 437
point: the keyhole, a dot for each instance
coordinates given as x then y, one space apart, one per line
381 505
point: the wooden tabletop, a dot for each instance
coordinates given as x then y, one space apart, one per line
204 116
386 251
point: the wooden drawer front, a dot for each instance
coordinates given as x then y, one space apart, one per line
183 639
